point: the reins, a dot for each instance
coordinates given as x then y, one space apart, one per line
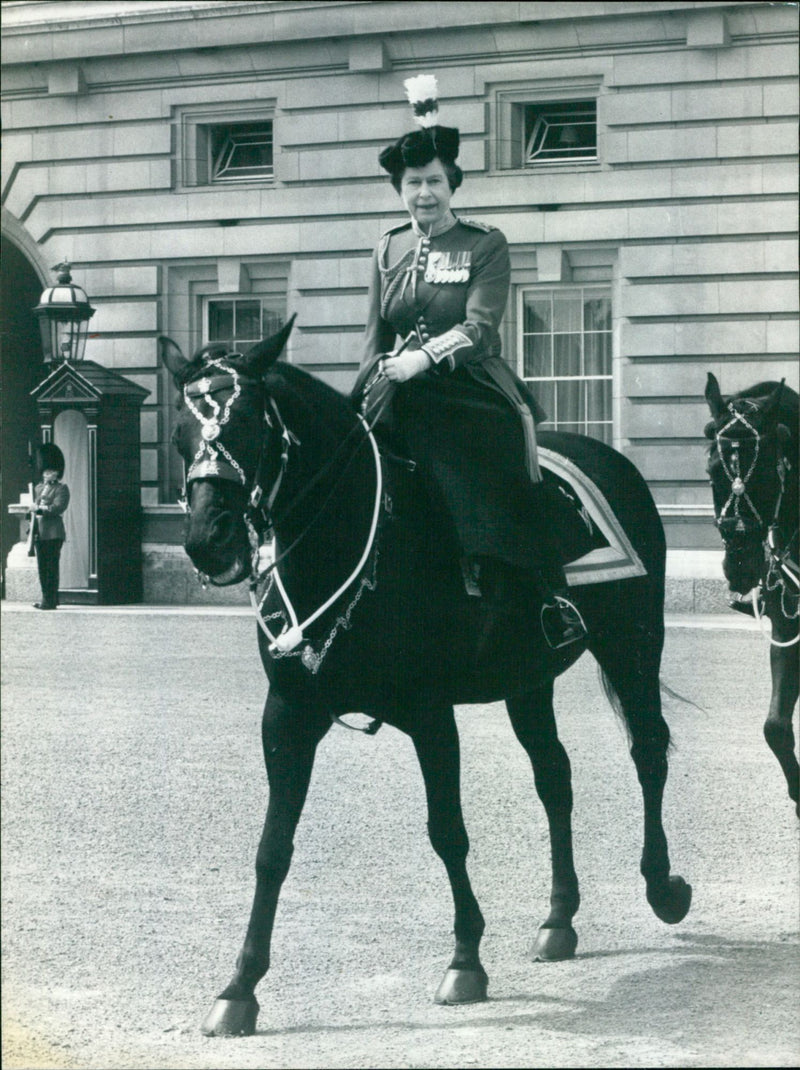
293 634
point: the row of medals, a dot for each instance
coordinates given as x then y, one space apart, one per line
448 267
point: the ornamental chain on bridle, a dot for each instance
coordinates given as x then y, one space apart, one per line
211 426
780 567
737 482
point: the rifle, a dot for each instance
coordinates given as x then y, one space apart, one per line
32 527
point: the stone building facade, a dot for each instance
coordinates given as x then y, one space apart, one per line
209 168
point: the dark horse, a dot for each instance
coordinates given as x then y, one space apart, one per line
270 449
752 465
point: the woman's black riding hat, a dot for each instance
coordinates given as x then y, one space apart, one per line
431 141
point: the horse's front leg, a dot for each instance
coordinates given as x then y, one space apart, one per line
778 730
534 724
437 747
289 739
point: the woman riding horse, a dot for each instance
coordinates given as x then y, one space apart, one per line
441 283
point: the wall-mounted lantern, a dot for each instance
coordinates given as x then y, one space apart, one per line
64 313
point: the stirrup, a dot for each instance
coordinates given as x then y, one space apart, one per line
562 622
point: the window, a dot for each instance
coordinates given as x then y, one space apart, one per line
239 151
546 123
233 141
240 322
564 352
559 132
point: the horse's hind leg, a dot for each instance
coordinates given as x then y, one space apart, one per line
534 723
778 730
289 741
632 669
435 740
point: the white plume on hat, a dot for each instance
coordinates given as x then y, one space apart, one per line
422 92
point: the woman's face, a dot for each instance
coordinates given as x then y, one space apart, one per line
426 193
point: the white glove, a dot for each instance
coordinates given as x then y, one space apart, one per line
405 366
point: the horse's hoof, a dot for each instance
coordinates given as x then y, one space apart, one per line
553 945
674 906
462 986
231 1018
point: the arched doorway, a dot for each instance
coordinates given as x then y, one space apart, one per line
22 369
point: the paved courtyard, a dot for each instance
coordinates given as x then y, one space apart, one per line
133 795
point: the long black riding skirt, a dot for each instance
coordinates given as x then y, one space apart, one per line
469 445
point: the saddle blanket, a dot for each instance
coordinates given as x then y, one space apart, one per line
617 559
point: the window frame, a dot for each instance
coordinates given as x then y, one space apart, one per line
217 177
605 289
194 164
273 303
543 108
507 106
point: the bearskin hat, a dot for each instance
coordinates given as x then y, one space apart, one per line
431 141
49 456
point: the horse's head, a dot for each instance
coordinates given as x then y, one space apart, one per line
224 434
749 460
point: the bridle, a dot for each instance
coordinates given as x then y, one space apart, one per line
258 512
781 571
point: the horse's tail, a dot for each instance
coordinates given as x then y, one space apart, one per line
617 706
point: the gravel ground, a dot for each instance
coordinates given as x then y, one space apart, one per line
133 796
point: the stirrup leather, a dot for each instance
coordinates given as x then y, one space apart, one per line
562 622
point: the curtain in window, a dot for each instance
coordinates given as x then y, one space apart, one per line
566 357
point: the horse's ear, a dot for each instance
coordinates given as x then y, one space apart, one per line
264 353
774 398
172 358
714 396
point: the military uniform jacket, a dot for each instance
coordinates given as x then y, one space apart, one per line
451 291
53 500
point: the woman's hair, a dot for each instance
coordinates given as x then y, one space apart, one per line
455 176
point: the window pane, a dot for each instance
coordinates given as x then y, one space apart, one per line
545 394
597 354
538 359
567 312
597 314
567 354
598 400
240 151
570 401
220 321
271 322
537 313
248 321
561 131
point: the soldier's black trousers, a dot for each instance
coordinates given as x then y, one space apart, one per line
48 552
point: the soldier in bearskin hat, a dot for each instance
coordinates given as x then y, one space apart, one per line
51 498
432 363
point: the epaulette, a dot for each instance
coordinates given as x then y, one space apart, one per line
476 223
397 229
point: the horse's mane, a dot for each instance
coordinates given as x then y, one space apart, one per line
788 410
310 406
297 387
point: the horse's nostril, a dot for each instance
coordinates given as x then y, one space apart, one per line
221 527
